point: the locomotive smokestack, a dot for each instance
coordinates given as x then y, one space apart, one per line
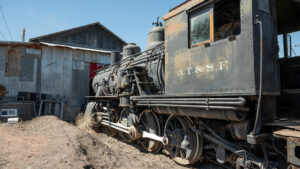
115 57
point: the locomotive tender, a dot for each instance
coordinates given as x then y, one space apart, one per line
209 86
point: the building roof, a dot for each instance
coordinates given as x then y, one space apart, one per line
79 28
6 43
39 44
16 43
76 48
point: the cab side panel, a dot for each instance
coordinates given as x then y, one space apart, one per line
224 67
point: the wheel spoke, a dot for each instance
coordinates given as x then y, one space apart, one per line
182 153
185 146
177 152
150 123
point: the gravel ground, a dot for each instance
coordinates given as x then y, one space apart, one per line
47 143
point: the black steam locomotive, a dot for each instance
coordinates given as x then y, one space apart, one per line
210 86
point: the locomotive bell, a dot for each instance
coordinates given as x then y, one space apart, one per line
130 50
156 35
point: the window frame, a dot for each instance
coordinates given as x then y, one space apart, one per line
211 24
259 7
201 7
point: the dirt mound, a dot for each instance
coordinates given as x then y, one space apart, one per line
47 142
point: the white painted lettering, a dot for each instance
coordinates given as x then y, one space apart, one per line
223 65
210 68
198 70
189 70
181 73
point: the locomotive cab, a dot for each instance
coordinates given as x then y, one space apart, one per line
216 44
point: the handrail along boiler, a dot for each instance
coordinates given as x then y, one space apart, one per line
210 85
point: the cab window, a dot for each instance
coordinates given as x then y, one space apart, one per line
215 22
227 19
200 27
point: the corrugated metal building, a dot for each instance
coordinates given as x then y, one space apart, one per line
19 67
57 64
92 36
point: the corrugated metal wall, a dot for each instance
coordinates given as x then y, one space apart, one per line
61 72
56 71
18 69
65 73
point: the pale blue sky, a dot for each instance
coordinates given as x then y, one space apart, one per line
129 19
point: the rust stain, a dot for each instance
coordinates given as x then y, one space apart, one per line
287 133
179 63
292 145
174 27
166 63
12 58
185 6
182 59
3 91
211 24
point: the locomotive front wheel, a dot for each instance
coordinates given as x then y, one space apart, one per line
127 119
150 123
110 131
185 146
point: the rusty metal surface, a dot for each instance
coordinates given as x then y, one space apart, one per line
3 91
293 148
11 69
182 7
12 43
12 59
223 67
292 124
287 133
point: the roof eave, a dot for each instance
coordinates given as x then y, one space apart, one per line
36 39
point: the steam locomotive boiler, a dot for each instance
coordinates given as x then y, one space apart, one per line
210 85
